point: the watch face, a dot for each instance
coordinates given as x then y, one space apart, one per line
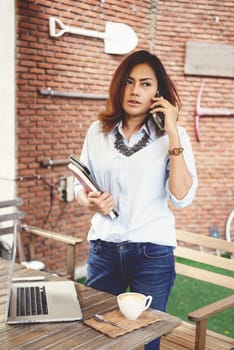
176 151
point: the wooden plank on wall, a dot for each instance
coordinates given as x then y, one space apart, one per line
209 59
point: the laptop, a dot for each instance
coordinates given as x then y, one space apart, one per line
39 300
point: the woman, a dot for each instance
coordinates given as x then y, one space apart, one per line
141 162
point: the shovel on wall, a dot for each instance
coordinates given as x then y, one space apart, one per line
118 38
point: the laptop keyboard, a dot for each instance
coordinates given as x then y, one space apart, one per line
31 301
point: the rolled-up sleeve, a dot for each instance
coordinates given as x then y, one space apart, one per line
190 162
187 200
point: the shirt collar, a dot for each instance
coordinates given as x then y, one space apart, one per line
148 128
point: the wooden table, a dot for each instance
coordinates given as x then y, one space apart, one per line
74 335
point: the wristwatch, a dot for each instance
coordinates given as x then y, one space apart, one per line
176 151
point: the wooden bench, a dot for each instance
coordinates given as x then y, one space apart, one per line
70 241
11 216
207 250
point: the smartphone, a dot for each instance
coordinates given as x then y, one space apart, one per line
158 118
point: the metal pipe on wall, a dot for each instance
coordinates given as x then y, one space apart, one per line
91 96
50 162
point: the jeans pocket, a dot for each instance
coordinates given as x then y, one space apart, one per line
95 246
155 251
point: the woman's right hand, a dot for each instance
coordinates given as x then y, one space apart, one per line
97 202
100 202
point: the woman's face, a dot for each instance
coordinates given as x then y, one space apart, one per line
140 87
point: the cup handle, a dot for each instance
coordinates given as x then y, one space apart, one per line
148 301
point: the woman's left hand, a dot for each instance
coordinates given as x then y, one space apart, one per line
170 112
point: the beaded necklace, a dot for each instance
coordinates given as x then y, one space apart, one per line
126 150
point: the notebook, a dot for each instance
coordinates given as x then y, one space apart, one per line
83 174
39 300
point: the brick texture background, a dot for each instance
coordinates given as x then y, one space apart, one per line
54 127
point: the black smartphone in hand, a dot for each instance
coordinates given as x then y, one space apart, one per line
158 118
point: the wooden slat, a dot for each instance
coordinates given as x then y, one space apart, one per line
204 275
11 203
9 229
211 309
11 216
206 258
205 241
52 235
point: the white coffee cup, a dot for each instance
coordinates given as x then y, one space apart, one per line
133 304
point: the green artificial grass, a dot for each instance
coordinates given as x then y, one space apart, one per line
81 280
189 294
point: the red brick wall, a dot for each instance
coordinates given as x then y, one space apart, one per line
54 127
197 21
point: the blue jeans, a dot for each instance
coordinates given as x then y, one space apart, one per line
143 267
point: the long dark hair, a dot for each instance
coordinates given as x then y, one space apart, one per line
113 112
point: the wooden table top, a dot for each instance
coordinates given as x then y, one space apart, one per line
74 335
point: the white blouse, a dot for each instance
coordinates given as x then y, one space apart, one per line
138 185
